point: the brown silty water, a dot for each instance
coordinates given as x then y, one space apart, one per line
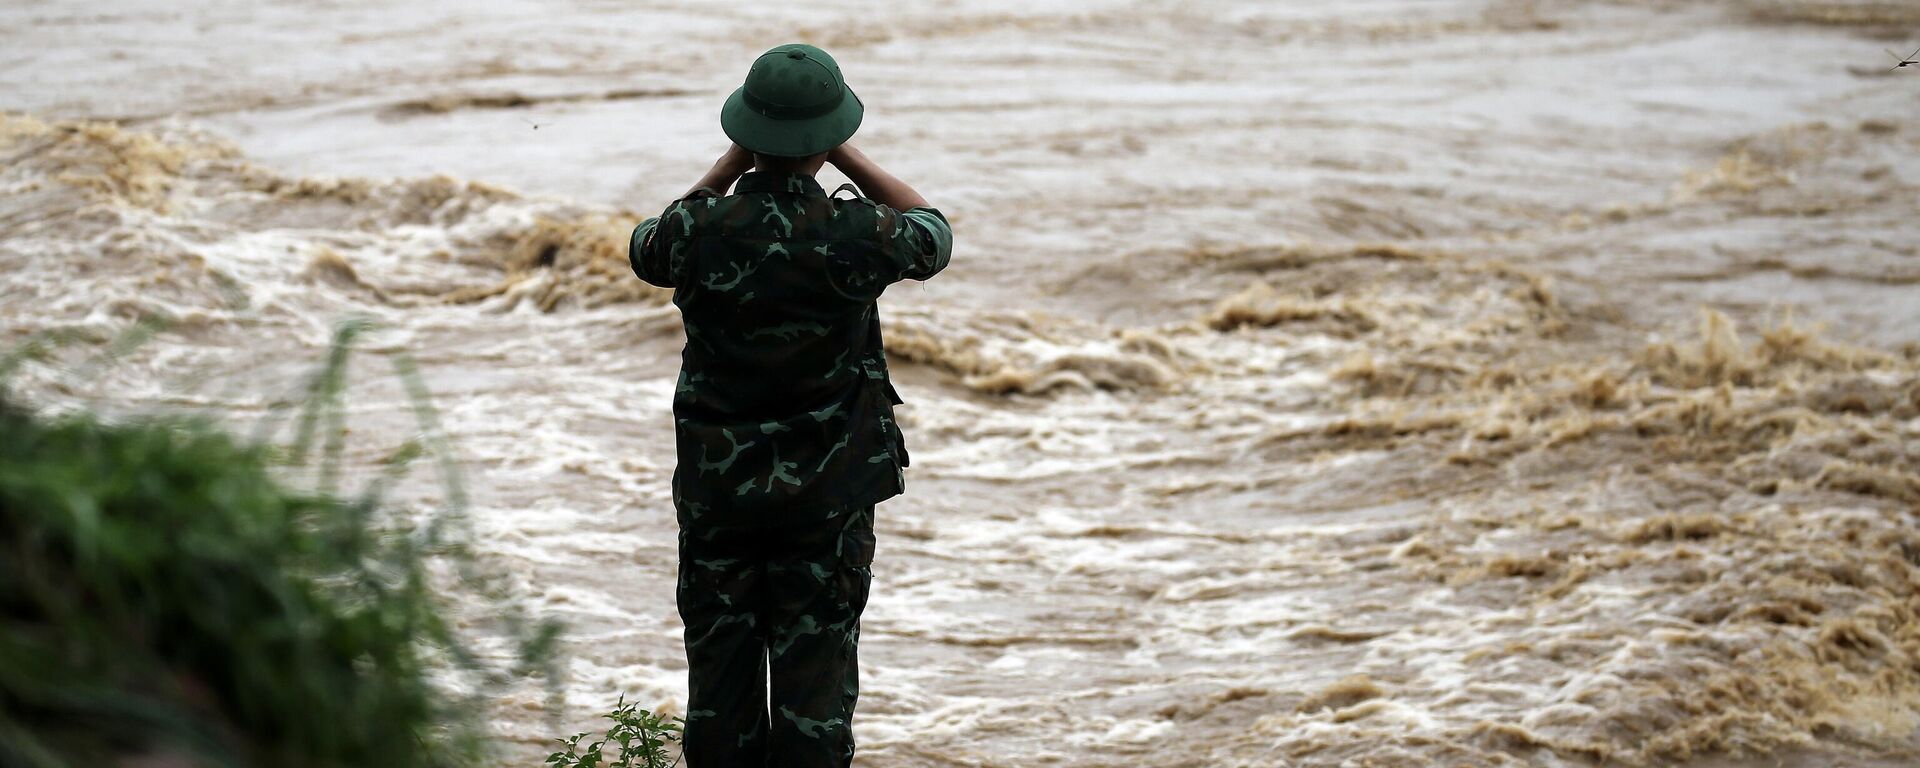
1394 383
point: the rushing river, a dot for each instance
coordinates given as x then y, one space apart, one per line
1388 383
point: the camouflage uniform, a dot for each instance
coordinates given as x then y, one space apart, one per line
783 419
786 597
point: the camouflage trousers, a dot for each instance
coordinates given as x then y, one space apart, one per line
776 604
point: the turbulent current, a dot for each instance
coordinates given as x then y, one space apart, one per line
1326 383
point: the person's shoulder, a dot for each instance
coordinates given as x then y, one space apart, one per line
857 216
700 207
706 197
878 209
847 196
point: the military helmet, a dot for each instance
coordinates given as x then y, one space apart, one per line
794 104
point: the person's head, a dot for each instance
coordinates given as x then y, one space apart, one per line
793 108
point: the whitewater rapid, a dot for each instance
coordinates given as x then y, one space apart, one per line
1398 383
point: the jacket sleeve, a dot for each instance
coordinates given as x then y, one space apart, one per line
642 255
658 247
918 242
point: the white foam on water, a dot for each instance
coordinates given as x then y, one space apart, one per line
1314 384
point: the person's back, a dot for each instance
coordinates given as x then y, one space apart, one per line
783 413
783 365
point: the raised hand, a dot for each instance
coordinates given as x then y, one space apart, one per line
733 163
872 181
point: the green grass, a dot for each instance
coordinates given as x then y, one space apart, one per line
165 593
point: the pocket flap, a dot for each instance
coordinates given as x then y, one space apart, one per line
857 542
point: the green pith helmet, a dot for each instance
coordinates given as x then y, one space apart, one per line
795 104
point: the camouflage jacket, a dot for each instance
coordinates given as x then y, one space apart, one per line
783 406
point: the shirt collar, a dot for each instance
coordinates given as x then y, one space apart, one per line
771 181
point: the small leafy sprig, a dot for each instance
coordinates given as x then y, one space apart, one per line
640 736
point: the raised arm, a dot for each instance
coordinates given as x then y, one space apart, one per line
915 236
653 261
733 164
873 181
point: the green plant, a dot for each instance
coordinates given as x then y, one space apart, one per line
165 592
640 736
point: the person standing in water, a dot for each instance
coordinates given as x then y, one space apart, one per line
783 413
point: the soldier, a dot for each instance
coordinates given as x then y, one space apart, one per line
783 414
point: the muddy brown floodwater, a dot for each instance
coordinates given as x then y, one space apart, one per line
1393 383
